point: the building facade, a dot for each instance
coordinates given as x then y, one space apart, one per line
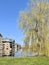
1 46
7 46
17 47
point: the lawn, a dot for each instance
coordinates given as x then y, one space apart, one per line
24 61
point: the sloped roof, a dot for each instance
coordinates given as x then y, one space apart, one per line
0 35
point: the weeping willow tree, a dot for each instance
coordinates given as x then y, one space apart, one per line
35 25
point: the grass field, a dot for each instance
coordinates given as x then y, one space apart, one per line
24 61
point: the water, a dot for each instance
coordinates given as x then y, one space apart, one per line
19 53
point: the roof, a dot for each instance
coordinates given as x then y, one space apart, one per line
8 40
0 35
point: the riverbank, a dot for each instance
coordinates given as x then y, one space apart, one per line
24 61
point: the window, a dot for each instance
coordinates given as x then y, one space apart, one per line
10 45
6 48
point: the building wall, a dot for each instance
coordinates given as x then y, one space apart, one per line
1 46
17 47
8 47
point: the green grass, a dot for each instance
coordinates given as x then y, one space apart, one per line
24 61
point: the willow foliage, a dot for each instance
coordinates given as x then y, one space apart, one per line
35 24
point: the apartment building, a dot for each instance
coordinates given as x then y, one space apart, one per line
7 46
17 47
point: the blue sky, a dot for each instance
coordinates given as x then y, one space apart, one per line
9 13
